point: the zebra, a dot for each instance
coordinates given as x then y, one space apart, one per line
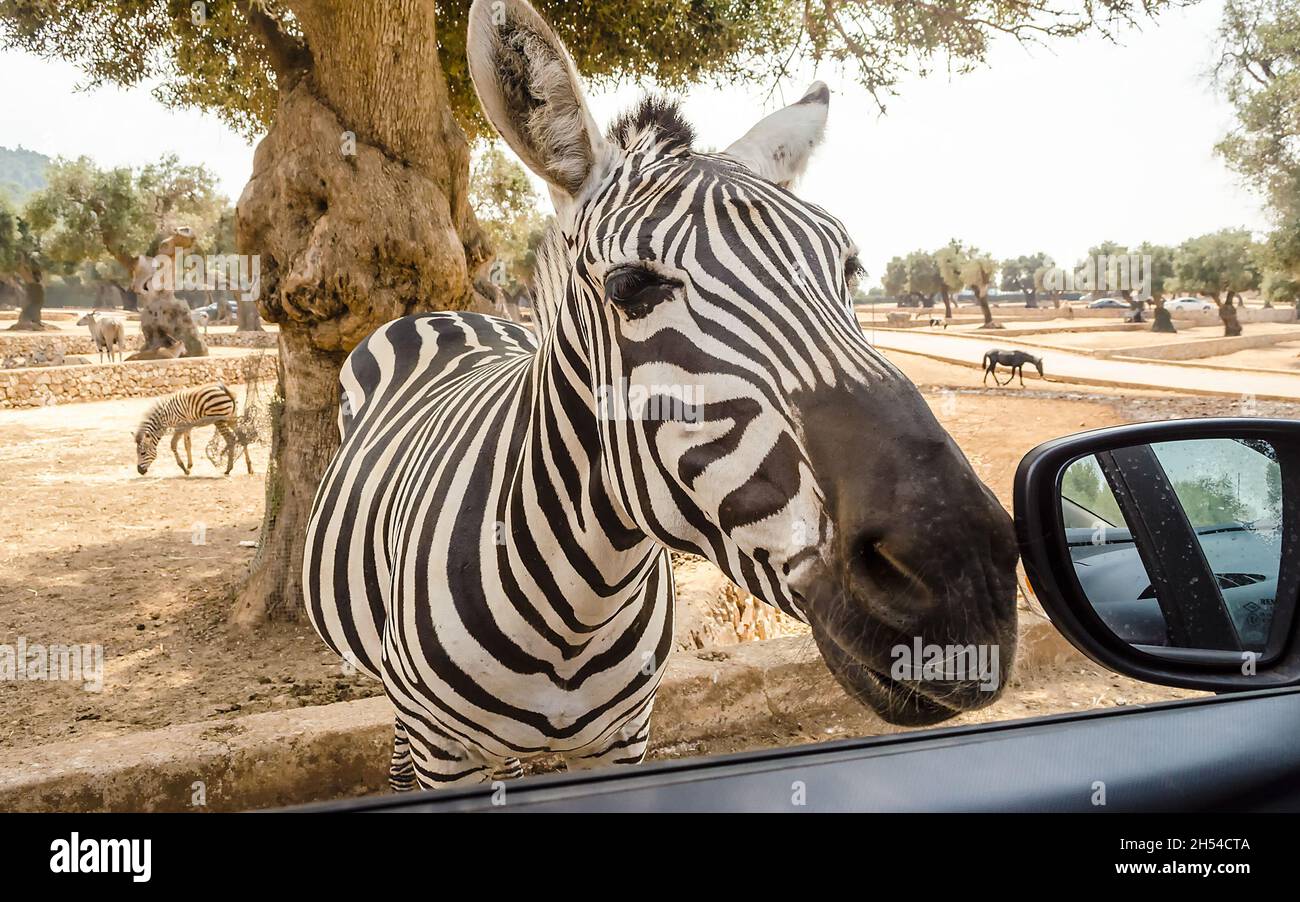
491 539
182 412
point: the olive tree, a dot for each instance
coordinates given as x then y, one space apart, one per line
358 202
1258 69
1024 274
87 213
979 274
22 267
1219 266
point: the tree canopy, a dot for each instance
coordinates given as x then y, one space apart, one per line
1258 69
1217 265
85 212
1025 274
228 55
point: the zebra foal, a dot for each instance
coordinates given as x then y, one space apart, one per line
182 412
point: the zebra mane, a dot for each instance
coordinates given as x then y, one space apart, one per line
549 276
655 118
152 419
659 115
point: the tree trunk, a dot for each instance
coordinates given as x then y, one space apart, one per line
107 295
1161 321
1231 324
224 316
165 319
512 308
947 304
358 207
29 318
247 319
982 299
304 436
1136 306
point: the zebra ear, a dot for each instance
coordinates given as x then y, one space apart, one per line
529 89
779 146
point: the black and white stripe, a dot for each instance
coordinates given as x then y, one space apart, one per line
491 539
186 409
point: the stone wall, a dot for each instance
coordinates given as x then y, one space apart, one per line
40 386
1244 315
1201 347
49 348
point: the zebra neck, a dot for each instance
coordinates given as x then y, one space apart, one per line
560 517
159 420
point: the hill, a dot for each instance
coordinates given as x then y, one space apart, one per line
22 172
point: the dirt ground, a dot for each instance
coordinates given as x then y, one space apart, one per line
90 552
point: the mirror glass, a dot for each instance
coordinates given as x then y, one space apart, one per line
1178 545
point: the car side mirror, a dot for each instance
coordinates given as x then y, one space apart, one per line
1170 552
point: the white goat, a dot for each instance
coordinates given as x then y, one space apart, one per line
108 331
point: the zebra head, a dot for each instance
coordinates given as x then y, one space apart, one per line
146 447
740 411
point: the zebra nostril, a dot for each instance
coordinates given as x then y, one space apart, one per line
870 562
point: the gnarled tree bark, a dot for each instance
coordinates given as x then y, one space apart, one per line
358 207
29 317
164 318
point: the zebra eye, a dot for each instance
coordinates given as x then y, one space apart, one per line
636 290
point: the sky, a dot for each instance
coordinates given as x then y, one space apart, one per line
1053 148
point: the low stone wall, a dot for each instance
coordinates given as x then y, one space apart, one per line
41 386
1244 315
1198 348
45 348
242 339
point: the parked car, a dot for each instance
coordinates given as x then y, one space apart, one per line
204 315
1108 304
1190 304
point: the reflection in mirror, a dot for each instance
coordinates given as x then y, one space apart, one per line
1178 544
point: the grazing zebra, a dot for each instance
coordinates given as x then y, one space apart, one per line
492 538
182 412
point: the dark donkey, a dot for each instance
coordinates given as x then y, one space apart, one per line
1015 360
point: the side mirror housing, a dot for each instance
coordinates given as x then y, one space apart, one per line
1170 551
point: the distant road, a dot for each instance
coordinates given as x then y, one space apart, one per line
1065 366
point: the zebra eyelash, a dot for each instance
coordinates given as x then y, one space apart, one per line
637 290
